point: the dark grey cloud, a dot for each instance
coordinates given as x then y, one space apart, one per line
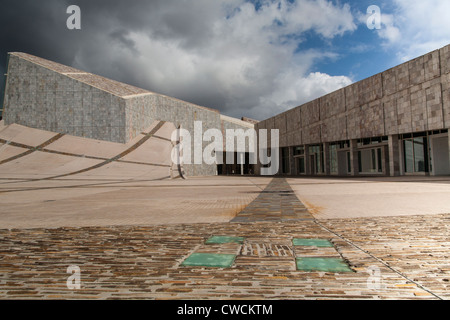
201 51
39 28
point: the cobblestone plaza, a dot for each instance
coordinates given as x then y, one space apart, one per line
145 256
360 209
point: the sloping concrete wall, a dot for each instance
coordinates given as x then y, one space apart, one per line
41 98
142 110
45 95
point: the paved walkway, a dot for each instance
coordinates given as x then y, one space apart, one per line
395 258
122 201
109 211
335 198
276 203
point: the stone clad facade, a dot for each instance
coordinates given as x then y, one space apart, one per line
410 100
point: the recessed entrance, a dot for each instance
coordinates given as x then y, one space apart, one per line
440 155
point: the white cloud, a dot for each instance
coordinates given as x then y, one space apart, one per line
225 54
416 27
389 31
299 90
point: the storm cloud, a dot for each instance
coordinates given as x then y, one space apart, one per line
242 58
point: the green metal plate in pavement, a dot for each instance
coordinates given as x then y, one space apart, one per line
209 260
320 243
225 240
322 265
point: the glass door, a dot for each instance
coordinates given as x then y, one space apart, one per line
416 155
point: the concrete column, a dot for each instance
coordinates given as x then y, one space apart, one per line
326 160
242 157
234 169
449 149
257 169
385 159
280 156
354 157
394 156
307 164
293 170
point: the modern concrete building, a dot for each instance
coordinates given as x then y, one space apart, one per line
45 95
394 123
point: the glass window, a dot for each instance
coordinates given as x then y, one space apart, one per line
370 161
360 161
416 155
349 163
299 151
316 153
301 165
419 155
374 160
380 161
409 156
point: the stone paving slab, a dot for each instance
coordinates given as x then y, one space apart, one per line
144 262
82 203
336 198
395 258
418 246
277 202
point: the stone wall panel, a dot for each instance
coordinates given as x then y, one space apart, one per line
419 119
435 114
445 60
390 114
432 65
311 134
404 116
416 71
402 77
446 98
389 82
310 113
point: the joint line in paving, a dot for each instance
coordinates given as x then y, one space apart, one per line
30 149
269 207
102 164
378 259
